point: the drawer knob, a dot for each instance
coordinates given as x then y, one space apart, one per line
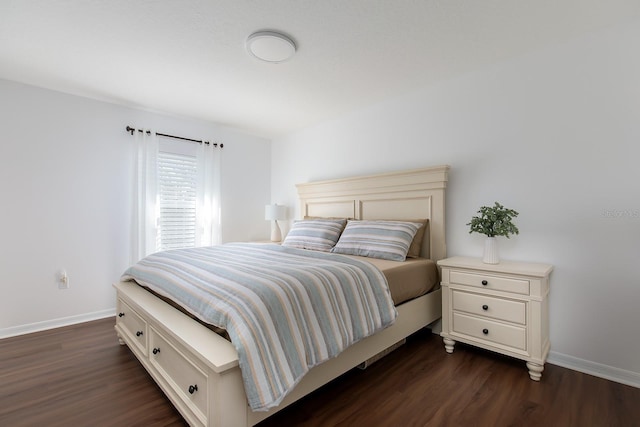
485 283
139 333
156 350
485 307
193 388
485 331
120 314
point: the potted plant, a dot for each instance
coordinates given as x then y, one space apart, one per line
493 221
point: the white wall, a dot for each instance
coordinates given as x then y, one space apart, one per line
65 179
554 135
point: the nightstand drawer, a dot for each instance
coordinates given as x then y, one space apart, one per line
486 306
490 331
485 281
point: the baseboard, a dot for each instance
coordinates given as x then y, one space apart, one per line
596 369
592 368
55 323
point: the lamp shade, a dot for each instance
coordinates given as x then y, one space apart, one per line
275 212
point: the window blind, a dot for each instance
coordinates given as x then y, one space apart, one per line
177 198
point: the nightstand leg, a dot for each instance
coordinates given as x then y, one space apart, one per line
535 370
448 344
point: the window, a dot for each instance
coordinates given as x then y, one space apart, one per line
177 201
177 195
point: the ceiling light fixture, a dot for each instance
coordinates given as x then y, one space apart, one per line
271 46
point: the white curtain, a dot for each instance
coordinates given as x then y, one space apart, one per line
145 215
208 210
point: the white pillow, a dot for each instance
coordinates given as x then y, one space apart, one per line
377 239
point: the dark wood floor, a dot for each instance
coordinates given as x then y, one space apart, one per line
81 376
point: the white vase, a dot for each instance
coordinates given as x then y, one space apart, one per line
491 251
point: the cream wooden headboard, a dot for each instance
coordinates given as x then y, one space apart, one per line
413 194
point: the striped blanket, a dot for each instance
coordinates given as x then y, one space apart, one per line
285 310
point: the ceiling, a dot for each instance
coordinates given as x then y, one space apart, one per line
188 57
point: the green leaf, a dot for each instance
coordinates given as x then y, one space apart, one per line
494 221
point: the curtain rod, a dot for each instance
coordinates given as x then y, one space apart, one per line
132 130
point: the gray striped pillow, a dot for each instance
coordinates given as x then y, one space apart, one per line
315 234
377 239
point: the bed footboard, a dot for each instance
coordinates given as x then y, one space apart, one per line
196 368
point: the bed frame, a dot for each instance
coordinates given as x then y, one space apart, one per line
198 369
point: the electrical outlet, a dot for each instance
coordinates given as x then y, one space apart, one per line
62 279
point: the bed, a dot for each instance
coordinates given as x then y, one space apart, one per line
199 370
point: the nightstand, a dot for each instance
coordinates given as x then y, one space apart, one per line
499 307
